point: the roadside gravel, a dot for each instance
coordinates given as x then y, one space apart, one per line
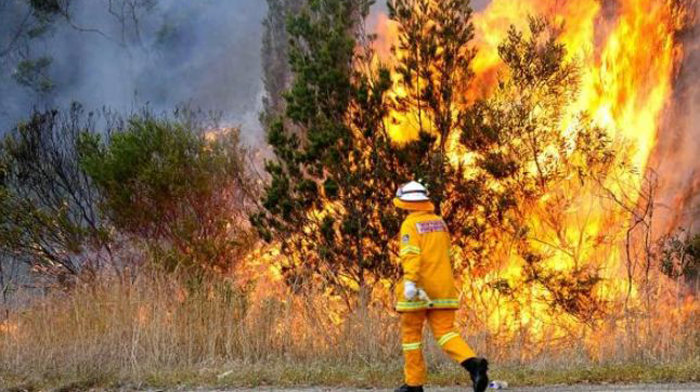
562 388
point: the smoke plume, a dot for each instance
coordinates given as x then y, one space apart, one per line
202 53
677 158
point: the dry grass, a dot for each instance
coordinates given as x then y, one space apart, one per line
150 333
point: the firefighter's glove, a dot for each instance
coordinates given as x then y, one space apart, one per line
410 291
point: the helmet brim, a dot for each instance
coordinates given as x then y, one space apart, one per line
414 197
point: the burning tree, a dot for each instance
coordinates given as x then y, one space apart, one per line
178 190
432 70
337 166
534 170
335 169
496 162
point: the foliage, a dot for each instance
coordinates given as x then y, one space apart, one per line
21 24
528 164
46 8
181 191
48 215
34 74
433 58
72 203
680 256
27 27
329 199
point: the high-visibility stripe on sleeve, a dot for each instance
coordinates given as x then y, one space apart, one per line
409 249
447 337
411 346
448 303
411 305
407 306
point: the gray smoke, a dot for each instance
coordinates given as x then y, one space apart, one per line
677 159
477 5
203 53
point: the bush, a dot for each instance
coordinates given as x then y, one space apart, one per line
48 205
74 201
178 190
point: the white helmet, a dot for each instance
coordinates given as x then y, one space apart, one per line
412 191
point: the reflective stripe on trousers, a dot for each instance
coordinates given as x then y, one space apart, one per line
441 322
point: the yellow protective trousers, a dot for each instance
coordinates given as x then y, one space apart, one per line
441 322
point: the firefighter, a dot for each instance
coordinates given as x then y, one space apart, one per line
428 291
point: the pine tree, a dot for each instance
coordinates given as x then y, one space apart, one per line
433 57
329 199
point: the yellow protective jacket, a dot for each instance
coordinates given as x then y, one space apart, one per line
425 259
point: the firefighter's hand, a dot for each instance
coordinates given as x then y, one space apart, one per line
410 290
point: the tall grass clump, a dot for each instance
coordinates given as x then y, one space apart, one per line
155 330
134 330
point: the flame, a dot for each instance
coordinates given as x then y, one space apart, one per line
9 328
630 83
143 315
628 58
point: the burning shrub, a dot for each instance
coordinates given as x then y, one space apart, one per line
176 189
69 200
529 167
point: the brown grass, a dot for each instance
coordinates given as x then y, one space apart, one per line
150 333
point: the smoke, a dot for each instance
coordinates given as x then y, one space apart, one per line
205 54
477 5
677 159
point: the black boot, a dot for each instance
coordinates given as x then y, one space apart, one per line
477 368
406 388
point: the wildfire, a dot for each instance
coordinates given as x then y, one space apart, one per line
627 53
628 56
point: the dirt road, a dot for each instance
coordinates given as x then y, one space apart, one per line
562 388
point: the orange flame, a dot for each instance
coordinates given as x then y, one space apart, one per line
9 328
628 57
